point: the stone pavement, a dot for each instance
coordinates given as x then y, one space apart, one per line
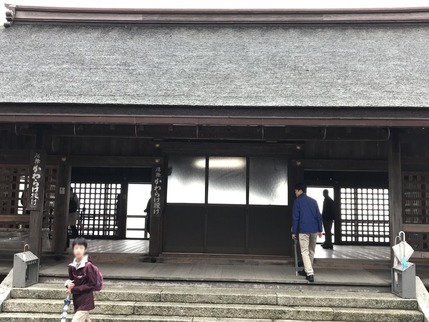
280 274
140 301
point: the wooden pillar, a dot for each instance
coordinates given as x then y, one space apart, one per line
35 200
121 210
295 175
62 209
337 207
35 235
159 192
395 186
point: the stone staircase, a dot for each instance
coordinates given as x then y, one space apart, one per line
208 303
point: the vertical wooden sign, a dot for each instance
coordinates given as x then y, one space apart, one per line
157 207
36 187
36 194
157 191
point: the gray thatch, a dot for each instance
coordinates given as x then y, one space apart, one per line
278 65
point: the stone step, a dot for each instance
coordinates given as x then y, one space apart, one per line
276 312
44 306
288 298
27 317
273 312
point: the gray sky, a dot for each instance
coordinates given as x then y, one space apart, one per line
223 3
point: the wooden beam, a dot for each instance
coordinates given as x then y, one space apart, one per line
110 161
420 254
416 228
395 186
185 115
414 164
14 219
14 157
43 14
369 121
207 148
344 165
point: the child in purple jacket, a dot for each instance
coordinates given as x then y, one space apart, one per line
82 281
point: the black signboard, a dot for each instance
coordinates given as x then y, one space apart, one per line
37 180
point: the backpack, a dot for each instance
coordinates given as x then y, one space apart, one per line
99 284
72 205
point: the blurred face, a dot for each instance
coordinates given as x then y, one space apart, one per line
78 251
325 193
298 193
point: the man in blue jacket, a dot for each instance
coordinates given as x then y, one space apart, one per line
307 224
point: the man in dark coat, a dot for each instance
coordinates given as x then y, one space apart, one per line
328 215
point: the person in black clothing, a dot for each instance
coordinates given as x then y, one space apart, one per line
147 211
328 215
73 213
73 217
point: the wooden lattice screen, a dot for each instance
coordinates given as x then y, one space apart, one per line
416 207
13 181
98 209
51 184
364 216
13 196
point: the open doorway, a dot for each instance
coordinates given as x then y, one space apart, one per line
361 231
112 203
317 194
137 225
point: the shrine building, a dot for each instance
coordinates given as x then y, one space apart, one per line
213 115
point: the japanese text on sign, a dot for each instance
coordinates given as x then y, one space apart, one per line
36 174
36 186
157 191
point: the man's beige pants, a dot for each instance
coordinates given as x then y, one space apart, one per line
81 316
307 243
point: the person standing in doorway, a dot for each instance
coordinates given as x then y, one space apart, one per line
328 216
148 213
73 214
307 225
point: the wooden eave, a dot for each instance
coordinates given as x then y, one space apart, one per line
40 14
219 116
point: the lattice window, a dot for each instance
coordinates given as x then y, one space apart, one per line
13 185
416 198
98 209
419 241
13 181
51 184
364 215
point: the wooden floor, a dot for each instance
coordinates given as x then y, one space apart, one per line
282 272
125 246
378 253
14 243
225 273
129 246
206 271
